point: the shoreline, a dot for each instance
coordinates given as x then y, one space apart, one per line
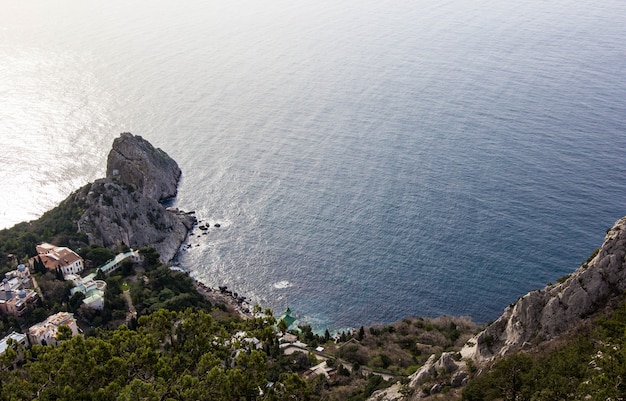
234 301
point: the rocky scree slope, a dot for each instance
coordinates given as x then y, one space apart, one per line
125 207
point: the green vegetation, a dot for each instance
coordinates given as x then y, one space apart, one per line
173 348
396 350
169 356
162 288
561 280
56 226
402 347
98 255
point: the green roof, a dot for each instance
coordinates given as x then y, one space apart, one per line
287 318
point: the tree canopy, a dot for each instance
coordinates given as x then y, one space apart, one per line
171 355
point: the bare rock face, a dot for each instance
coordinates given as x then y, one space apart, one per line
545 314
445 363
124 208
548 313
151 171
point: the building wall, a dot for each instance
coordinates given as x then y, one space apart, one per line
46 331
74 268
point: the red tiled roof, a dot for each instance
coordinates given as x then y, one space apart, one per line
53 256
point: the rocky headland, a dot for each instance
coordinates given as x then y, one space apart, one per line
126 207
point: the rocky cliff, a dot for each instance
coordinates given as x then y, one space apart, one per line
134 161
548 313
538 316
125 208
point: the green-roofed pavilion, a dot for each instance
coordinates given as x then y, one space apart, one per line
287 318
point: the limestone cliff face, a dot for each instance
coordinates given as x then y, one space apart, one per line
556 309
124 207
134 161
546 314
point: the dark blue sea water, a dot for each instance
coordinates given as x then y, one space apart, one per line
366 161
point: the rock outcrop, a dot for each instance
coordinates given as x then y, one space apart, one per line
150 170
548 313
125 208
545 314
444 364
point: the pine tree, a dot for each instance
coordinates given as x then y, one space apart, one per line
361 334
39 266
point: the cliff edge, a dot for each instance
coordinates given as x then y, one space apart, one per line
539 316
548 313
125 207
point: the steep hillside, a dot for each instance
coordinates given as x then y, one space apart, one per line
534 321
548 313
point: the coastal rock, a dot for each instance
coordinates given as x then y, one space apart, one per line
124 207
553 311
545 314
152 172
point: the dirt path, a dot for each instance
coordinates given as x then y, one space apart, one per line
132 312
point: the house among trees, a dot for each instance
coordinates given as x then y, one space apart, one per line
14 300
56 258
45 333
92 289
119 259
16 337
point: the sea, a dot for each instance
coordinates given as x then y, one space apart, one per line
365 161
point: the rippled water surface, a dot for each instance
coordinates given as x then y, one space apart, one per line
365 160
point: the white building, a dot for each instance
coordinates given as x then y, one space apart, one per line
91 288
17 337
115 263
45 333
56 257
